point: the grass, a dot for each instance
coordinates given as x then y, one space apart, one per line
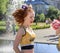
2 28
39 25
2 23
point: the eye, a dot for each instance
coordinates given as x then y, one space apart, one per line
31 17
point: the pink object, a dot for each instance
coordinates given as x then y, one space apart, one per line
56 24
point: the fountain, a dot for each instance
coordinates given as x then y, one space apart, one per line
6 43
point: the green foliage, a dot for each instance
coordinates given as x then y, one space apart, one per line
58 13
2 29
34 26
52 12
3 6
37 18
42 17
17 27
2 23
47 25
40 27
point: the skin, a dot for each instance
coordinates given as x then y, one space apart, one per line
28 20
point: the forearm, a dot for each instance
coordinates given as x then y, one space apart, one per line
17 50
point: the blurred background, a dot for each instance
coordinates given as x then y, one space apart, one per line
45 12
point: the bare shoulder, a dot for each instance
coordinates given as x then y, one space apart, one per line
19 35
21 31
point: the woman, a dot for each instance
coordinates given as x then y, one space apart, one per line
25 35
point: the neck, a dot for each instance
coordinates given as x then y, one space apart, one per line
25 25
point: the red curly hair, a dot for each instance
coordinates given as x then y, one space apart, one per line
20 14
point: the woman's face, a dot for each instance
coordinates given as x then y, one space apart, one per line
30 18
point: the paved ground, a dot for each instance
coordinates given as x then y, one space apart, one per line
42 36
46 36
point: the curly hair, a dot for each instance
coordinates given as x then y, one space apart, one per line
20 14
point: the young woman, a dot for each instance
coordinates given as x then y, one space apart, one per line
25 35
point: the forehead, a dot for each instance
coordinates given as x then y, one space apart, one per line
32 13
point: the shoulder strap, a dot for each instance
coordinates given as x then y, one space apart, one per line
24 30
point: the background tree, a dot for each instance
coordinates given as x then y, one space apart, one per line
3 8
52 13
36 18
42 17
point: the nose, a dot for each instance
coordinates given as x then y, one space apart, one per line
33 19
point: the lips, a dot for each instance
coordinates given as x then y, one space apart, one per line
31 21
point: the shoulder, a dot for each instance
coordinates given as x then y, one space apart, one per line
21 31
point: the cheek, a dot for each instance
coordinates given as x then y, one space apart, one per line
33 19
28 20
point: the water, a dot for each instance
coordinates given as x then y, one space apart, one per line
45 48
7 47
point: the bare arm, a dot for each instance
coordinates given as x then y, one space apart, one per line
17 40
